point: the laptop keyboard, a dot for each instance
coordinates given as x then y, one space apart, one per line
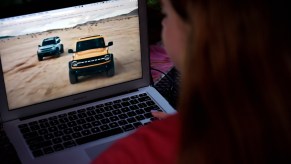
78 127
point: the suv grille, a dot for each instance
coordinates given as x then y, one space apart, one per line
90 61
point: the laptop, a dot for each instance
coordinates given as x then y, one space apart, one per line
75 79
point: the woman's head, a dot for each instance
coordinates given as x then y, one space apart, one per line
174 33
236 80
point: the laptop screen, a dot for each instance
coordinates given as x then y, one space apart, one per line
54 54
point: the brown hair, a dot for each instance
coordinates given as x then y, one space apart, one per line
236 86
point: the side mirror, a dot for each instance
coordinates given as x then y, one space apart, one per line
70 51
110 44
39 45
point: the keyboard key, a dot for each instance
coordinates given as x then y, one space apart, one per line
125 104
57 140
23 126
40 145
62 126
117 106
37 153
48 150
99 106
139 117
131 114
122 122
42 131
104 127
86 132
99 116
108 114
125 110
90 108
113 125
116 112
133 102
68 131
91 113
108 108
133 107
87 126
128 127
58 133
58 147
82 115
72 124
67 138
99 110
96 123
48 136
77 128
52 129
77 135
95 130
108 103
105 121
137 124
113 118
69 144
125 99
99 136
131 120
122 116
148 115
35 140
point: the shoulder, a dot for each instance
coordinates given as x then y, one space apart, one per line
153 143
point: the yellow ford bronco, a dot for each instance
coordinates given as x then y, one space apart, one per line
91 57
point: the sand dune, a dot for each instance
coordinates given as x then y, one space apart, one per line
29 81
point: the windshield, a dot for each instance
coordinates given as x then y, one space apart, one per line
48 42
90 44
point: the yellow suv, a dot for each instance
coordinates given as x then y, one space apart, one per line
91 57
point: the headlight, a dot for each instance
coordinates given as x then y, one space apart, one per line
74 63
107 57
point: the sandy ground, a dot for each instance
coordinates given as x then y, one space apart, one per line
29 81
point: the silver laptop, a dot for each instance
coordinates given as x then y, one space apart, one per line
75 79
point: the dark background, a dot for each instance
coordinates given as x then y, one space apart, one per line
18 7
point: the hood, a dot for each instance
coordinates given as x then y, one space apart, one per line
90 53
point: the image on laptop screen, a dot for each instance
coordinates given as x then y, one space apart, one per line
54 54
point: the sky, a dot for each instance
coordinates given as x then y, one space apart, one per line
44 21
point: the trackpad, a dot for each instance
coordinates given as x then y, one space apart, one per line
94 151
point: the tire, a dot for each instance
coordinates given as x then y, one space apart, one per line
58 52
72 75
111 71
39 58
62 48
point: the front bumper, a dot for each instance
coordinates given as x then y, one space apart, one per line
93 69
47 53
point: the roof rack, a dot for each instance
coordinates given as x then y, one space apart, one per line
90 36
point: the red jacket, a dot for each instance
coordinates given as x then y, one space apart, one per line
155 143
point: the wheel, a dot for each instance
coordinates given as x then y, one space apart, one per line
72 75
111 71
62 48
58 52
39 58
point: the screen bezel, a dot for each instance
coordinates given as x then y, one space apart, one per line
87 96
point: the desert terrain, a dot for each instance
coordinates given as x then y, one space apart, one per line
30 81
